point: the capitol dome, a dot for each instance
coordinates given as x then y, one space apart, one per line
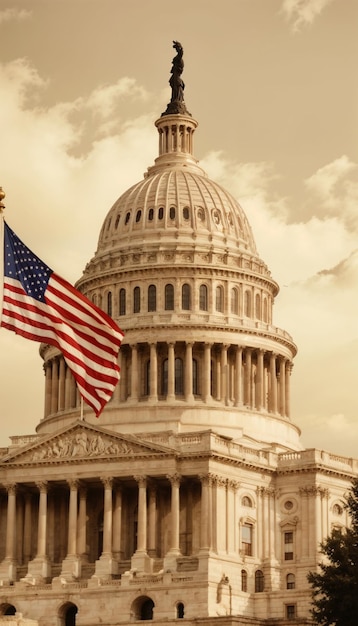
177 268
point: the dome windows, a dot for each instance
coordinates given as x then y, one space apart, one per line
160 213
172 213
151 215
128 215
203 298
185 297
138 216
169 297
186 213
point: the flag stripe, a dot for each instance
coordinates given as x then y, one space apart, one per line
42 306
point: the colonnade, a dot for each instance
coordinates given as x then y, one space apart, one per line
200 372
29 540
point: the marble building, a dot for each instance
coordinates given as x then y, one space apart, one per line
191 497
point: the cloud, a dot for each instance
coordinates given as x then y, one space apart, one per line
301 13
14 14
294 250
334 189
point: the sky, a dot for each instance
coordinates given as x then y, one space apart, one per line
274 87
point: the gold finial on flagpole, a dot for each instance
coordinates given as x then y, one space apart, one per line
2 196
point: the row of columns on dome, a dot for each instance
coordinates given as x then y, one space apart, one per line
234 375
202 516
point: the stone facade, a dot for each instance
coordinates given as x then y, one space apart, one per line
192 496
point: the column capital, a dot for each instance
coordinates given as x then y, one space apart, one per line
174 479
73 483
11 488
107 481
141 480
42 486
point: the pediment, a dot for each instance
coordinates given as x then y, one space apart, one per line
84 441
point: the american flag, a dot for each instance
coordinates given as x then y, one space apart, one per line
42 306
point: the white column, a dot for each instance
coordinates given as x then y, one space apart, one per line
188 376
82 515
153 383
171 372
207 373
175 486
273 384
135 376
152 514
117 523
238 376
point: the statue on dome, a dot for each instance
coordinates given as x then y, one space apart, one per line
177 104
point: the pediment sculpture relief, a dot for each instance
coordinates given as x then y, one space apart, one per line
81 444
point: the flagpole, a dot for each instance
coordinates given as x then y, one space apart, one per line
81 415
2 207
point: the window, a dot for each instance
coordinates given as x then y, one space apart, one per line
219 299
290 581
185 297
246 539
288 547
257 307
195 377
152 298
172 213
179 378
94 298
246 501
150 214
117 221
109 303
290 611
169 297
122 302
186 213
136 300
127 218
337 509
160 213
259 581
244 580
234 301
138 216
265 311
203 298
247 303
180 610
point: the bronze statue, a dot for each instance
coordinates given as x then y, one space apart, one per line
177 104
175 81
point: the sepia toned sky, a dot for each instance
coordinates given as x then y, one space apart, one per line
274 86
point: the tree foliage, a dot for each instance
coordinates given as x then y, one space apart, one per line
335 585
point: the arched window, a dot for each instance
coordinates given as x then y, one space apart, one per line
259 581
186 213
160 213
172 212
185 297
136 300
94 298
146 610
265 311
290 581
219 298
122 301
234 301
67 614
138 216
150 214
109 303
337 509
179 377
169 297
117 221
203 298
257 307
180 610
247 304
147 378
244 580
246 501
152 298
128 215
